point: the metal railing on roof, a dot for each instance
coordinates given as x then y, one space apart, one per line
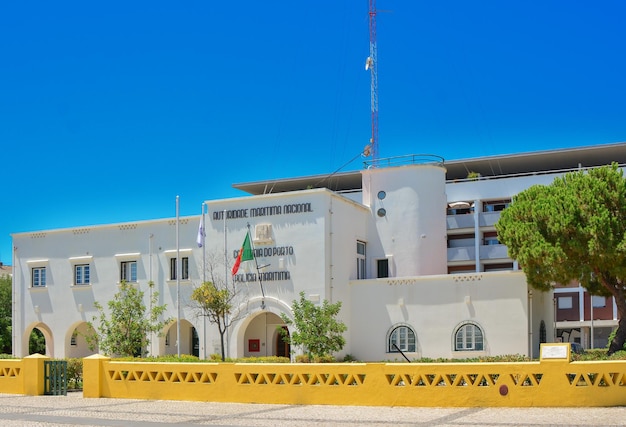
409 159
531 173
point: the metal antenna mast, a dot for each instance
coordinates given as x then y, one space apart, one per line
372 65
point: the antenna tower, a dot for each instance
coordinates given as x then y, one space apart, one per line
372 65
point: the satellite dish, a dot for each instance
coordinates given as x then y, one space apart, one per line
368 63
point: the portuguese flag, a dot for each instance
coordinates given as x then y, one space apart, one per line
245 254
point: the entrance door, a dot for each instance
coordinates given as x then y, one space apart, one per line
195 343
282 347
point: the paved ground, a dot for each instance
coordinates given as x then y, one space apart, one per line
74 410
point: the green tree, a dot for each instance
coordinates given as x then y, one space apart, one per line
316 327
215 301
573 230
36 342
6 303
214 304
125 330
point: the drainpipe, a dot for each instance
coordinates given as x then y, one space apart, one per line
477 238
591 317
330 227
17 299
554 315
530 320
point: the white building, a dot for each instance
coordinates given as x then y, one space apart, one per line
408 247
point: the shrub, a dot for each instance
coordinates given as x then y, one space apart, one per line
74 374
305 358
506 358
265 359
599 354
184 358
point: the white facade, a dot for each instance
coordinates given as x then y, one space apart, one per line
386 249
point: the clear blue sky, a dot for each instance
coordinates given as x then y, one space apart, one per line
108 110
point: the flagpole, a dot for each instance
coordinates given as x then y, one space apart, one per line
203 244
258 273
151 285
178 263
225 254
202 234
226 284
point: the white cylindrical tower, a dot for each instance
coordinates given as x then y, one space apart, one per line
408 206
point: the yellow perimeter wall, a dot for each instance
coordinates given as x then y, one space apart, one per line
556 383
23 376
553 381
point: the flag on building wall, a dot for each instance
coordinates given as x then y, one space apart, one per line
245 254
200 238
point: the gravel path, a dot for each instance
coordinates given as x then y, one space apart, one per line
74 410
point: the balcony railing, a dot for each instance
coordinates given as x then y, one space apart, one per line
460 221
468 253
485 219
464 253
488 219
493 252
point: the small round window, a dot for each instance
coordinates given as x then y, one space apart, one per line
381 212
381 195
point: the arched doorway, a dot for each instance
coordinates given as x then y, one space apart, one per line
189 342
38 339
262 335
76 344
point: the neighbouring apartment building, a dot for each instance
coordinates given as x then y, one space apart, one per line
408 245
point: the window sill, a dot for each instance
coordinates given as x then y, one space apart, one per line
182 282
85 286
81 259
131 256
38 288
172 252
136 283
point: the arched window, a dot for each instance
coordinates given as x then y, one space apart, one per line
468 337
403 337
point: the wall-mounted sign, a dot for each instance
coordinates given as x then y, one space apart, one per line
268 276
269 252
286 209
555 351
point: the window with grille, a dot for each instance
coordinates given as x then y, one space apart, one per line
184 268
81 274
128 271
360 260
469 337
402 338
39 277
